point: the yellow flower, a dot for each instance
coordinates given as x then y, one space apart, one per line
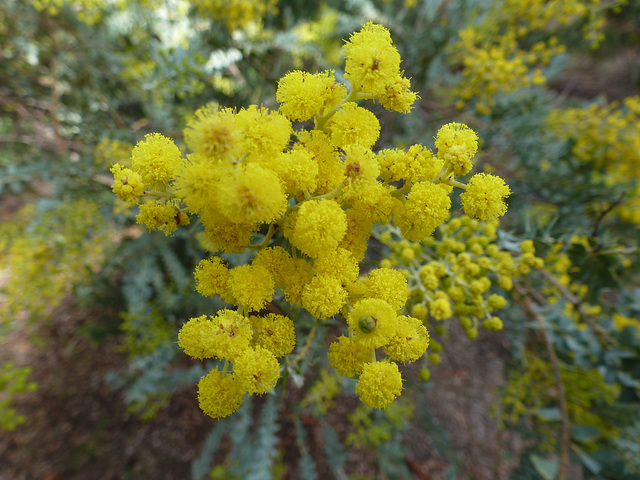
196 182
156 158
398 96
319 227
372 61
323 296
379 384
211 276
252 286
457 144
127 184
374 322
427 206
354 125
252 194
348 357
213 134
484 197
410 341
266 133
196 338
219 395
302 95
165 217
257 370
389 285
275 333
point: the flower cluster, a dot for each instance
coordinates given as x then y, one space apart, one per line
454 274
235 13
47 252
306 208
609 136
508 50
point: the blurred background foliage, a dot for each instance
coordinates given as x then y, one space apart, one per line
552 90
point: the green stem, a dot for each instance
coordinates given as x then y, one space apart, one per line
321 120
453 183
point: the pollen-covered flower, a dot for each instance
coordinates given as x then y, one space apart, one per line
212 133
164 217
253 194
415 165
427 206
275 333
379 384
219 394
233 334
410 341
196 182
389 285
354 125
323 296
398 96
302 95
374 322
457 144
265 132
319 227
127 184
297 169
372 61
156 158
484 197
197 338
349 357
257 370
211 276
252 286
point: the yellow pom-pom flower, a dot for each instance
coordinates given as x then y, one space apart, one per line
302 95
372 61
252 286
253 194
484 197
354 125
389 285
164 217
265 132
398 96
374 322
457 144
211 276
323 296
410 341
156 158
196 182
319 227
297 170
275 333
213 134
348 357
219 394
427 206
127 184
197 337
379 384
232 336
257 370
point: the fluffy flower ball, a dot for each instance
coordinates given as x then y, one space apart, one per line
319 227
219 395
156 158
379 384
427 207
484 197
457 144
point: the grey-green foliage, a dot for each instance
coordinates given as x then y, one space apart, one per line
306 465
